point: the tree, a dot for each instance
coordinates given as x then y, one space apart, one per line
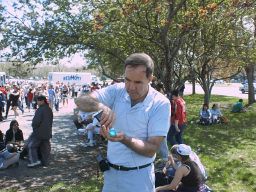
246 47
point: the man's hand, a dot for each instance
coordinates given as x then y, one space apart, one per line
164 170
177 128
107 117
105 132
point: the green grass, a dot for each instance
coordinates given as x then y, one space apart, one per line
228 151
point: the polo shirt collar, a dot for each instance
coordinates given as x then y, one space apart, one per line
147 99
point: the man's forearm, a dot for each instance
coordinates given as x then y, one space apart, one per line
87 103
145 148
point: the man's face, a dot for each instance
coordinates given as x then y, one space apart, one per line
136 82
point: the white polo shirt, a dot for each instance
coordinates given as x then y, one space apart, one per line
148 118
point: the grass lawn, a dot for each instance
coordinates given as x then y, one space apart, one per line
228 151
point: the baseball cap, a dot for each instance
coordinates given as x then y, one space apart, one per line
184 149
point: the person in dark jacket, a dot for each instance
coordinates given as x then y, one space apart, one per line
42 133
2 100
14 134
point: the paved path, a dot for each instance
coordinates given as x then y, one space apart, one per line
227 89
70 162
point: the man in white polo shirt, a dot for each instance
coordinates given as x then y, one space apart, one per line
141 117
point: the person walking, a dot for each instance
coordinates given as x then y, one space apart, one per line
8 101
140 115
42 133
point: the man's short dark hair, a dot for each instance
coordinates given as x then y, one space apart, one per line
175 93
143 59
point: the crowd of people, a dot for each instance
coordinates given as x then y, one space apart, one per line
144 120
42 100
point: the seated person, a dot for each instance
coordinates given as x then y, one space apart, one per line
7 159
14 137
216 113
238 107
188 176
92 128
2 145
205 115
83 119
173 163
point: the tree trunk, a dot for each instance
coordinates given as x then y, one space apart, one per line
193 82
207 93
193 86
250 76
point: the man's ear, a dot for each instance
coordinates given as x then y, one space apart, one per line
150 78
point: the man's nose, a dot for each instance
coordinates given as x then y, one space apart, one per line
131 86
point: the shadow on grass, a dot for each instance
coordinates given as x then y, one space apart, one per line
70 162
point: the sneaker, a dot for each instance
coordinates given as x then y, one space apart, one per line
34 164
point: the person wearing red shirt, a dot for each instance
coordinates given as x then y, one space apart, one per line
178 119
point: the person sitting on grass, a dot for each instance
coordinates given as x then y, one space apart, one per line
92 129
205 115
14 137
238 107
7 159
82 119
188 176
216 113
173 164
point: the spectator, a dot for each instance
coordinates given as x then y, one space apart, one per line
7 159
142 121
2 103
173 162
14 135
14 99
188 176
238 107
42 133
51 96
8 101
83 119
205 115
216 113
64 94
92 128
30 97
2 145
178 119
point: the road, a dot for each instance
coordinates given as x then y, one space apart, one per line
228 89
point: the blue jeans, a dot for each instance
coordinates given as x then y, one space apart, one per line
175 137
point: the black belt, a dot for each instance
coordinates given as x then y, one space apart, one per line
123 168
